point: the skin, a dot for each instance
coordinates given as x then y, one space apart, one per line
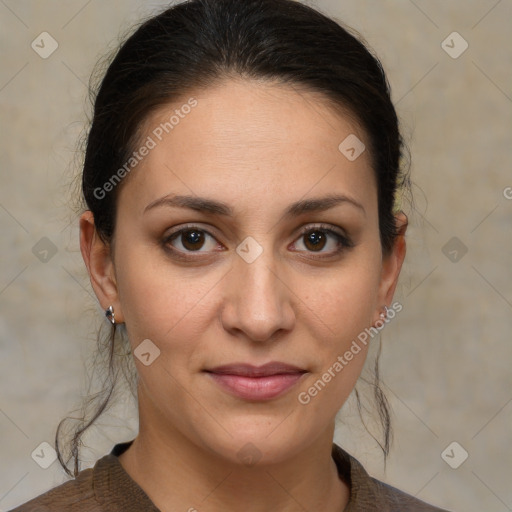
258 147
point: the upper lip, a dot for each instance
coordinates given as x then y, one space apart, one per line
249 370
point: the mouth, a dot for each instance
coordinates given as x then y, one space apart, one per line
256 383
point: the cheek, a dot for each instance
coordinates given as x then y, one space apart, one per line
157 298
344 299
342 305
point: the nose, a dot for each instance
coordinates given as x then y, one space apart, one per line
258 300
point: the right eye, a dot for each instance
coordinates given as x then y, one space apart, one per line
188 240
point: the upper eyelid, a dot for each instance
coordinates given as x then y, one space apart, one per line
305 227
189 227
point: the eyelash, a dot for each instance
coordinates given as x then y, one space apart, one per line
343 241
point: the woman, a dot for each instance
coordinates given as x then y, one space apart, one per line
242 231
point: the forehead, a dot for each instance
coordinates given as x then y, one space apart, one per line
248 138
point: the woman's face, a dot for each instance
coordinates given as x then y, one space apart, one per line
273 272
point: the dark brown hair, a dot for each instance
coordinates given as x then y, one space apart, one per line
198 43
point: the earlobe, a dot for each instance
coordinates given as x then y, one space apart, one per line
97 258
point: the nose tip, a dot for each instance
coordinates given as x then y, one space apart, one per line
257 301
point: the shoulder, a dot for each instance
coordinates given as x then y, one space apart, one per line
106 487
70 496
96 489
371 495
396 499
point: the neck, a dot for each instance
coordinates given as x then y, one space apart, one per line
177 474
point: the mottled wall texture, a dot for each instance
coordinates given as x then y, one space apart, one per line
446 357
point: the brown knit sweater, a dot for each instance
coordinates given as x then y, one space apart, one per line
107 487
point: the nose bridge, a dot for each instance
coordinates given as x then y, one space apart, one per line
260 300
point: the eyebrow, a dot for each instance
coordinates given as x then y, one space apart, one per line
203 204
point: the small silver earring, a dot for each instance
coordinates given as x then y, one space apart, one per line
109 313
385 314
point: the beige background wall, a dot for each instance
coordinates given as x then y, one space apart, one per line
447 356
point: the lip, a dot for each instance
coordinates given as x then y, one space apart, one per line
256 383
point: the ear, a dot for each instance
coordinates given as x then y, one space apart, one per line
392 263
98 260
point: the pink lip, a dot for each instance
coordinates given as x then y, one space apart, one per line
256 383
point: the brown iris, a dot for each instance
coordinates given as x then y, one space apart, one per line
191 238
315 238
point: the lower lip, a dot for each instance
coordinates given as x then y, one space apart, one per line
256 388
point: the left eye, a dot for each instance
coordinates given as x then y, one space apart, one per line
317 238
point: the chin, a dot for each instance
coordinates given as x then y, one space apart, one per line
265 444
